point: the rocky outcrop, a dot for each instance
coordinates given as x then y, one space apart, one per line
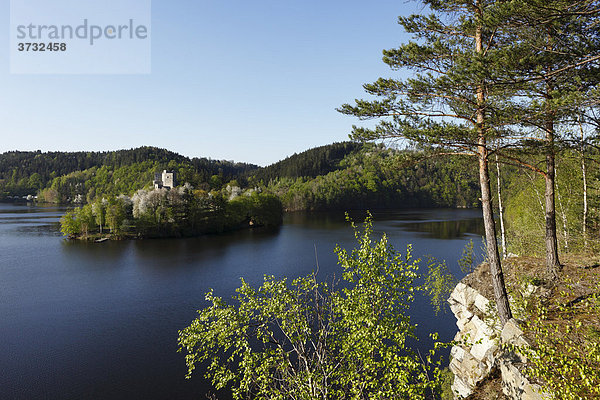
473 359
479 348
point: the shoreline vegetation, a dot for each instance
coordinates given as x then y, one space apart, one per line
489 85
177 212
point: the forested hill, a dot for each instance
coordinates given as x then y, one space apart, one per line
310 163
23 173
26 163
374 177
352 175
21 164
340 176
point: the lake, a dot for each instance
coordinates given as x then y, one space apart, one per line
100 320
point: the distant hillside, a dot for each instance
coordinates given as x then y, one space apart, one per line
310 163
23 173
339 176
20 164
372 176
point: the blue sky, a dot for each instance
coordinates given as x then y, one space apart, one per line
236 80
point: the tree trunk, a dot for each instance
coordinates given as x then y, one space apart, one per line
552 261
486 201
553 266
490 236
501 212
585 203
563 214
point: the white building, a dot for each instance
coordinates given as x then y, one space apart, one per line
164 180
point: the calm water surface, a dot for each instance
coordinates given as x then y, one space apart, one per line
100 321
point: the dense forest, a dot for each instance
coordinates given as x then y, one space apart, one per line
308 164
59 177
376 177
346 175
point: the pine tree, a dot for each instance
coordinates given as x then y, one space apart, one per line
554 65
451 103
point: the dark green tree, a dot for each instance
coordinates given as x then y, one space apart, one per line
554 67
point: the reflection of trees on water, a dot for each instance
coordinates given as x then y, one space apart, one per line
447 229
186 252
106 253
37 228
420 221
323 219
38 221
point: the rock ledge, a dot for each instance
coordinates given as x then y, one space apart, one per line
480 348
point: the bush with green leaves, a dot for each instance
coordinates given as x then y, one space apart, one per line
565 356
315 340
439 284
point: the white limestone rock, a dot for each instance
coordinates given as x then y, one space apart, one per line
481 351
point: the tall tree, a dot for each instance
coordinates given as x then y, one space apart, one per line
584 182
554 64
99 211
447 104
500 209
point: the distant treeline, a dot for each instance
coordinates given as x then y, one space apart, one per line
308 164
68 174
373 176
343 176
338 176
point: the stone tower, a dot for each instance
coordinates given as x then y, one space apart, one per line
164 180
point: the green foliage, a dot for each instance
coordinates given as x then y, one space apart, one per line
260 209
338 176
566 356
310 163
447 378
69 224
83 222
117 211
87 219
63 177
309 339
439 284
99 211
173 213
376 177
467 261
452 99
525 207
